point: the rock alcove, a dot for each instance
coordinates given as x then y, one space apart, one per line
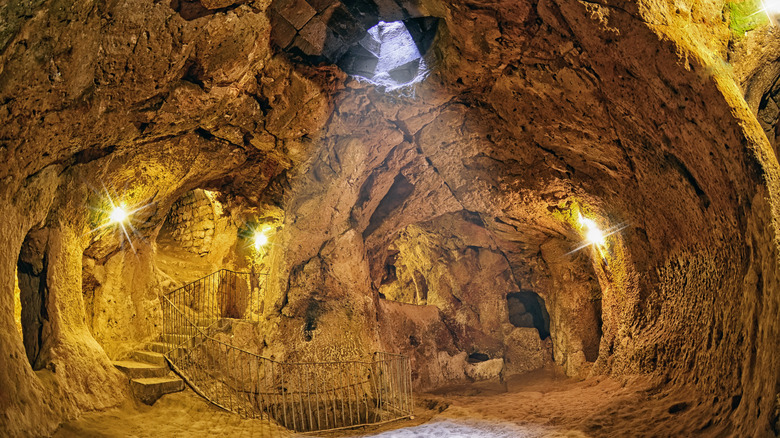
573 199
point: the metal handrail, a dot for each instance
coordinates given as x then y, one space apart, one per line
302 396
265 274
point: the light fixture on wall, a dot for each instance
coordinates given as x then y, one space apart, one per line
118 215
592 232
109 213
772 9
261 239
595 236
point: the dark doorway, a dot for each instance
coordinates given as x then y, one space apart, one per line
527 309
31 272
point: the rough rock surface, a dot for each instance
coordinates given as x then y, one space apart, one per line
191 222
470 184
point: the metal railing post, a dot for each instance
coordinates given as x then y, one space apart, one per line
253 386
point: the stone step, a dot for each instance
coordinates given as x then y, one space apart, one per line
149 389
187 330
149 357
207 322
177 339
136 370
157 347
162 348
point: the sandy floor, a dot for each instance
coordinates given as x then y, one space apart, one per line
183 414
539 404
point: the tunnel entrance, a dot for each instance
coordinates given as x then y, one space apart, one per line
193 238
198 238
31 270
527 309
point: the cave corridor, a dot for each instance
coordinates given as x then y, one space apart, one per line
405 218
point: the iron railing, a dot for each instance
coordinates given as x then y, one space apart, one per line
301 396
222 295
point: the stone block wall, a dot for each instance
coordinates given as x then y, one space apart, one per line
191 222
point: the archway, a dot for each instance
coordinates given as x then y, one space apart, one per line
31 270
199 239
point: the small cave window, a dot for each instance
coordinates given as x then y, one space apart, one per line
391 54
477 357
527 309
391 274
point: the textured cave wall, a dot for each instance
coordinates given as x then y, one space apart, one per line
757 72
534 110
690 264
574 302
652 145
121 299
453 264
75 124
73 371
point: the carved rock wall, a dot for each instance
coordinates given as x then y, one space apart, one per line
534 111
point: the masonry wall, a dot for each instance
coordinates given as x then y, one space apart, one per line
191 222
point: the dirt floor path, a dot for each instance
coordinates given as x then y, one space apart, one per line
539 404
182 414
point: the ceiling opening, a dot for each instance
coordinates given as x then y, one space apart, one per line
392 54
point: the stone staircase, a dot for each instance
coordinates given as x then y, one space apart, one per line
180 265
149 373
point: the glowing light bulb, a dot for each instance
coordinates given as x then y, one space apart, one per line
260 239
772 7
595 235
118 215
592 231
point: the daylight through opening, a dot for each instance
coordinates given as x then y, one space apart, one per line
391 54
